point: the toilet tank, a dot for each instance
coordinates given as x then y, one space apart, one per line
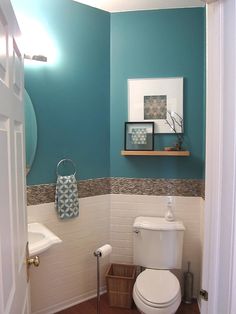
158 243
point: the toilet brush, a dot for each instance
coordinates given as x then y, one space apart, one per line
188 286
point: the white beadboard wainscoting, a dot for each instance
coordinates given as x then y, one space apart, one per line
67 273
124 208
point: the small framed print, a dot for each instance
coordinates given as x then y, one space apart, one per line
139 136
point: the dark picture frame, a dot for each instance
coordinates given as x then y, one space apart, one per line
139 136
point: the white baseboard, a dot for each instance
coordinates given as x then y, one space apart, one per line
71 302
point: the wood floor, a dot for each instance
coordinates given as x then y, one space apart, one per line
90 307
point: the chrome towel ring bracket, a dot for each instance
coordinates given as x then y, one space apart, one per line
66 160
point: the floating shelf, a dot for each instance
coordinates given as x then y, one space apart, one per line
155 153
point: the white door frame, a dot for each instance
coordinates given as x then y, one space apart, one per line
219 260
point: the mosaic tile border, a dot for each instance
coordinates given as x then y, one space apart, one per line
45 193
177 187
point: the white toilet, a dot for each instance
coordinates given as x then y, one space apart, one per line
158 246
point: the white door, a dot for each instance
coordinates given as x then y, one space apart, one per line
13 221
219 264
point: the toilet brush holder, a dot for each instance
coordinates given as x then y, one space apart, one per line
188 286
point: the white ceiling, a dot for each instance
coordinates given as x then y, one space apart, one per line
137 5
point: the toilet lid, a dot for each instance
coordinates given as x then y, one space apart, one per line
158 287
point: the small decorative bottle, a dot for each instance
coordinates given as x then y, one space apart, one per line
169 216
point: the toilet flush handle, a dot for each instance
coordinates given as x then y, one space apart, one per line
136 231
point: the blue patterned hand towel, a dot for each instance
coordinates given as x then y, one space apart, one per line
66 197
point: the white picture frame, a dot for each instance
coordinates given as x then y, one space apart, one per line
162 94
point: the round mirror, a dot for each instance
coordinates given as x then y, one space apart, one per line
30 131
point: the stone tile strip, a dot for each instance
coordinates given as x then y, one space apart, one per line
45 193
93 187
182 187
203 189
39 194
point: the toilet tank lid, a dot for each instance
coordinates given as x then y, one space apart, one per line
157 223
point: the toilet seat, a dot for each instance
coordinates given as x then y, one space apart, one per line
157 288
157 291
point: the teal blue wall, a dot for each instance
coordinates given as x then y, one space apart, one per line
81 101
71 98
204 102
163 43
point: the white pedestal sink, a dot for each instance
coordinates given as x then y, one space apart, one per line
40 238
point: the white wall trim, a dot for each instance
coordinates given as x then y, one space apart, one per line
213 157
233 247
233 270
219 264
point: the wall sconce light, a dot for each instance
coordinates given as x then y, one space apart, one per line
37 43
36 57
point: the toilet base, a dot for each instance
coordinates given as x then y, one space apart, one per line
146 313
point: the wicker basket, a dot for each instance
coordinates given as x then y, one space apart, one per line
120 280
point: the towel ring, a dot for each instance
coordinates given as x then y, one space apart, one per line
64 160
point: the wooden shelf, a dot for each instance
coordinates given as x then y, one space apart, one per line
155 153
